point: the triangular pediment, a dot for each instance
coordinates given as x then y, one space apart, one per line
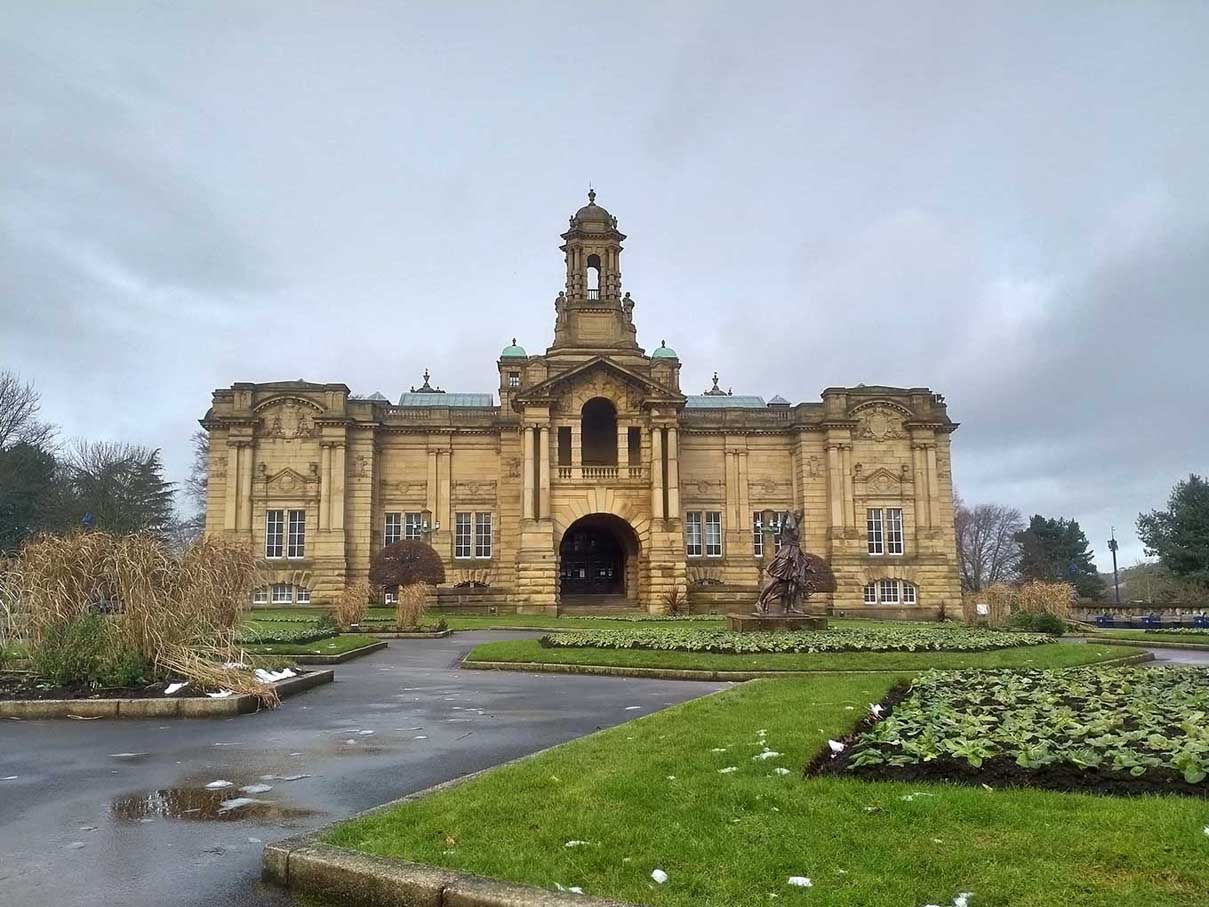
650 391
288 480
882 479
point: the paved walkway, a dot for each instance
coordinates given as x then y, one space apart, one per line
81 825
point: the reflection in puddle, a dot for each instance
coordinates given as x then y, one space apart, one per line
199 804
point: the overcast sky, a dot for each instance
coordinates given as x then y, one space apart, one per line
1006 204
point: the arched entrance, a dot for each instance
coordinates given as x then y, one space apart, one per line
598 556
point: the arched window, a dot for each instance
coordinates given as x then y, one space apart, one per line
598 433
593 277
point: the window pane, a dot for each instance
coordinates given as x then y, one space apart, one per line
871 594
713 534
273 532
394 529
692 533
283 593
413 527
304 597
908 594
873 530
757 534
260 596
461 535
889 591
297 539
894 530
482 535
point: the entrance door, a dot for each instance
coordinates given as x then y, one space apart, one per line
592 563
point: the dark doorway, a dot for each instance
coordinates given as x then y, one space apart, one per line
593 556
598 433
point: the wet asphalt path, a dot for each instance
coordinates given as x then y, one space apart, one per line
84 825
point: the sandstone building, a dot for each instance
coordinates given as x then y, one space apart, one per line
589 475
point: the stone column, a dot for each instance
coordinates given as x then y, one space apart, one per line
543 470
920 481
849 498
623 447
933 487
744 513
231 510
430 491
673 475
576 448
657 473
527 474
835 484
445 470
245 487
337 498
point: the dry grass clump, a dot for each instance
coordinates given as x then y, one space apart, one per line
412 605
179 614
1031 598
352 604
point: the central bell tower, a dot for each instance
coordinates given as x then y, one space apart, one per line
591 313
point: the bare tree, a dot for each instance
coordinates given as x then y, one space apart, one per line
986 544
19 406
192 527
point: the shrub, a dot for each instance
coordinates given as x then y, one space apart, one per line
675 603
1038 622
168 613
412 605
406 563
352 604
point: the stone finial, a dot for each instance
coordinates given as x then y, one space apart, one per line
591 196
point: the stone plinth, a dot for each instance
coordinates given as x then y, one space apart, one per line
772 623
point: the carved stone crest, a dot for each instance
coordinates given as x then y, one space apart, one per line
881 423
289 421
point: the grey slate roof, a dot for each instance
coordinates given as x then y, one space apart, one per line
477 400
728 401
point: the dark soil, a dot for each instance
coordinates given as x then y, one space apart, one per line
28 686
1000 771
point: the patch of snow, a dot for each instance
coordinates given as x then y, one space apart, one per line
727 770
265 676
633 708
659 876
227 806
575 844
75 845
767 754
221 694
175 687
781 771
800 882
125 755
219 785
256 789
718 749
876 709
963 899
14 778
836 746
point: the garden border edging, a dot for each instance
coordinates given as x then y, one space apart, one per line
162 707
545 667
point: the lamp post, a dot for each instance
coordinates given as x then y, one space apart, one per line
1116 582
427 526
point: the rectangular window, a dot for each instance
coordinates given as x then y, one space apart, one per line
908 594
283 593
260 596
564 445
394 529
634 445
873 530
274 533
713 533
461 535
692 533
894 530
413 525
482 535
889 591
296 543
871 594
757 534
304 597
514 379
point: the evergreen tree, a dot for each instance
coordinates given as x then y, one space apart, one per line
27 493
1056 550
121 486
1179 535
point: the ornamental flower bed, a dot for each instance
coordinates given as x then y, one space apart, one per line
254 636
906 638
1107 730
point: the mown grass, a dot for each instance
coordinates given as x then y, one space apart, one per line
648 794
1055 655
335 645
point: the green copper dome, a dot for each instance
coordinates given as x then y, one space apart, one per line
664 352
514 351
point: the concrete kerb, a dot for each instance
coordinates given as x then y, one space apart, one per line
305 865
337 659
164 707
719 676
406 634
1147 643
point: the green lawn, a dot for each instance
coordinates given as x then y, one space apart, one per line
1055 655
649 794
335 645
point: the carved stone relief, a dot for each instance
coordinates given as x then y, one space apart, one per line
289 420
880 423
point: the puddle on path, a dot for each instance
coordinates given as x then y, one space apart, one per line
199 804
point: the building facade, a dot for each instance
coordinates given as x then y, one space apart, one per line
589 476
